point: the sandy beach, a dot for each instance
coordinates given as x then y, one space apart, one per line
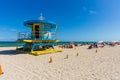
88 65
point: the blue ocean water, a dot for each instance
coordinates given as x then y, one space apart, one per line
15 44
10 44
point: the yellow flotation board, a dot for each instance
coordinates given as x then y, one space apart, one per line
45 51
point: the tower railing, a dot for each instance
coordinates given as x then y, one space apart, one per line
40 36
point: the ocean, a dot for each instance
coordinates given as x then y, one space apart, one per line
15 44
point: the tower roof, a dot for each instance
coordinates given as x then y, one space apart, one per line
30 23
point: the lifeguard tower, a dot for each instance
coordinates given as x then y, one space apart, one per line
41 38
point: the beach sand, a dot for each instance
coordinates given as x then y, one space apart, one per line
88 65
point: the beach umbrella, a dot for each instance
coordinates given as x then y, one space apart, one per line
114 41
100 42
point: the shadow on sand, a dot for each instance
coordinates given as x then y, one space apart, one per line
10 52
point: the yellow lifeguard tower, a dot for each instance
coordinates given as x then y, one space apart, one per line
41 39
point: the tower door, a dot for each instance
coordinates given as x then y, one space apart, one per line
36 31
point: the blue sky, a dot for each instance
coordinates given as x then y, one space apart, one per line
78 20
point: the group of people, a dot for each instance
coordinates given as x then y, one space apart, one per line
95 45
70 45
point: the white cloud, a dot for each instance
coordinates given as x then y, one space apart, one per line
1 38
84 8
13 30
8 38
3 28
92 11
